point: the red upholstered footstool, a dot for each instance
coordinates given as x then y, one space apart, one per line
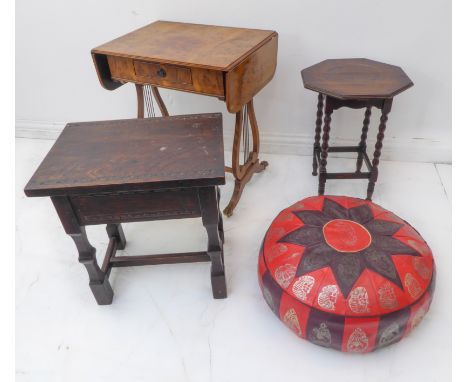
345 273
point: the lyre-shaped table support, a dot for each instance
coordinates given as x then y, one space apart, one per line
244 172
246 124
145 94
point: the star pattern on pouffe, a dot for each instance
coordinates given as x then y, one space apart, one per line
348 241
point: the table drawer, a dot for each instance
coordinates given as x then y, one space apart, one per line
197 80
136 206
163 73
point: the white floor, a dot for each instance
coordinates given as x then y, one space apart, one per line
164 325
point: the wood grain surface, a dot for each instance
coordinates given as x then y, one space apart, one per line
207 46
356 78
251 75
134 154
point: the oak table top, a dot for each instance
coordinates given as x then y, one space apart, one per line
135 154
207 46
356 78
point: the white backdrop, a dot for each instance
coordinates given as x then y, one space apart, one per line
56 81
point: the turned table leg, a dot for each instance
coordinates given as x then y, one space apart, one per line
324 151
211 221
318 131
362 143
244 172
98 280
387 106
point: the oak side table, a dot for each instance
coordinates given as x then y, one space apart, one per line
232 64
356 83
135 170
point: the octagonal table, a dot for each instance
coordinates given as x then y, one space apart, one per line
356 83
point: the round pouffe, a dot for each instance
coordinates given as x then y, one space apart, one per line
345 273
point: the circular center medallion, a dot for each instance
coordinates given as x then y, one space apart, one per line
346 235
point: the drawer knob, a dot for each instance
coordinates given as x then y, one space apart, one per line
161 72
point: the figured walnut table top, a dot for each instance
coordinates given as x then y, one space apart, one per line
208 46
356 78
133 154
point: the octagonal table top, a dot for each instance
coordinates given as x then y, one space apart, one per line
356 78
